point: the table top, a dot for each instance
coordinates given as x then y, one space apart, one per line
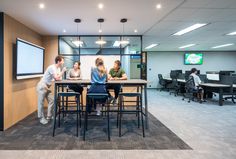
204 84
87 81
215 85
179 80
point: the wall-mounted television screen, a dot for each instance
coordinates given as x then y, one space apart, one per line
193 59
29 60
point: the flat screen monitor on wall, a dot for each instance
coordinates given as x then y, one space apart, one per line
29 60
193 59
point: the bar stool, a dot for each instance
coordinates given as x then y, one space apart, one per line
69 101
94 97
60 106
138 111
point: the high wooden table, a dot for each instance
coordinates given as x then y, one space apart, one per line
124 83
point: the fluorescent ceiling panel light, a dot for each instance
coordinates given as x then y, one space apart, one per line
116 44
100 42
191 28
124 42
186 46
233 33
77 43
220 46
151 46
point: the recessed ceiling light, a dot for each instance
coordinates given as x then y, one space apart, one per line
158 6
151 46
41 6
191 28
220 46
64 30
100 6
233 33
135 30
186 46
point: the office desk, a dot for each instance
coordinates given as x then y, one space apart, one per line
179 80
218 88
125 83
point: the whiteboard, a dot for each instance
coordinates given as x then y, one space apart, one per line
87 62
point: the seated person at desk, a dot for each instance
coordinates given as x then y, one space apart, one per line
116 73
98 83
197 81
75 74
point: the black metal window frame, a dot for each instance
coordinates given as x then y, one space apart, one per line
101 48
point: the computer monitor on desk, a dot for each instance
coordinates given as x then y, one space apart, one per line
213 77
175 73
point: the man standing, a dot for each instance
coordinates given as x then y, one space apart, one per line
116 73
53 72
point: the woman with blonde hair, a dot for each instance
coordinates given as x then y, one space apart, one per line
98 82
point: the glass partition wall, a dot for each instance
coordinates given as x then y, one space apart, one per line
86 49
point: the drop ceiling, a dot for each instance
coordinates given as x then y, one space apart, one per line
156 26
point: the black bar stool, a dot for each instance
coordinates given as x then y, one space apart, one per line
138 110
60 108
96 97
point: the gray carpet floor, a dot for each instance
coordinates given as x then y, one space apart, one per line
29 134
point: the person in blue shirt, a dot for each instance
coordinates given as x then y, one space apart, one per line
98 80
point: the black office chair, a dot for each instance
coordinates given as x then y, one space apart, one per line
190 90
175 87
162 82
229 92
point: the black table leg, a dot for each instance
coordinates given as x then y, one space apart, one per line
221 97
55 109
146 106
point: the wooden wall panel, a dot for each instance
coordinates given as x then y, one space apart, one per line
20 98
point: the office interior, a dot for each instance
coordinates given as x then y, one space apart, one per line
161 37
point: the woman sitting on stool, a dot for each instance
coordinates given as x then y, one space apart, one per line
75 74
98 83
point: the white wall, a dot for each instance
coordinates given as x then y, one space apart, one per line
163 62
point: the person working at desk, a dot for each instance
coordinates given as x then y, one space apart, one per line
53 72
98 83
197 82
75 74
116 73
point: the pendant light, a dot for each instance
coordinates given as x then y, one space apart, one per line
77 42
123 41
100 41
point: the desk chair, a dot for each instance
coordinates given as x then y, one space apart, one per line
190 89
175 87
230 92
163 82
